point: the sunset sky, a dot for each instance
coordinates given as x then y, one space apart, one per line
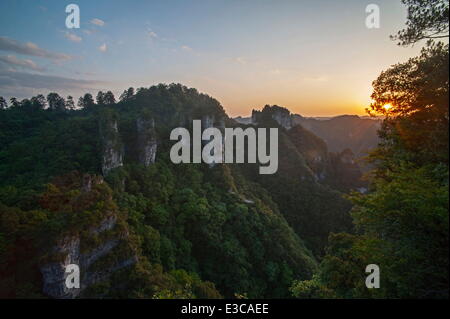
315 57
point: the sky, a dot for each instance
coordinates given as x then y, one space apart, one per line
315 57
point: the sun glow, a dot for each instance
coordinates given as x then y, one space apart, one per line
387 106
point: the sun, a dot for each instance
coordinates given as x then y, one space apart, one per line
387 106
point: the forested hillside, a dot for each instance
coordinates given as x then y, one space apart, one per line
94 184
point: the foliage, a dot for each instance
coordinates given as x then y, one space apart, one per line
195 231
427 19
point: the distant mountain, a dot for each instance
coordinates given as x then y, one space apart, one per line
346 131
338 169
357 133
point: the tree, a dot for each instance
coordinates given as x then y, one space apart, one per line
3 103
108 98
55 102
426 20
39 101
100 99
127 94
14 102
417 92
86 101
70 104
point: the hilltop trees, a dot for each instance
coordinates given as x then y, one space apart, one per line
86 101
55 102
3 103
105 98
14 102
70 104
39 101
127 94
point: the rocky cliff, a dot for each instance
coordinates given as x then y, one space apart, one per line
112 147
98 248
277 113
147 145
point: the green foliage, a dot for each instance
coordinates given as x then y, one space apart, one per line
427 20
417 123
195 231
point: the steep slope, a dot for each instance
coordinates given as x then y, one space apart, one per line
342 132
358 134
149 228
299 187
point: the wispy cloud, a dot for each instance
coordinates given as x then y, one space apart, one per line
240 60
186 48
29 48
12 60
103 48
98 22
72 37
275 71
10 79
317 79
152 34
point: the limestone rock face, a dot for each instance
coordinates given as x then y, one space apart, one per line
147 143
112 155
283 118
54 273
280 114
209 121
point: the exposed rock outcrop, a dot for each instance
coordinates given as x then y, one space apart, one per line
280 114
54 273
112 147
147 144
208 121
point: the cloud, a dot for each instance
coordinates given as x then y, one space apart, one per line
240 60
317 79
275 71
103 47
152 34
10 80
23 63
186 48
29 48
72 37
98 22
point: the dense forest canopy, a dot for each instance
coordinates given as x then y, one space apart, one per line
224 229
